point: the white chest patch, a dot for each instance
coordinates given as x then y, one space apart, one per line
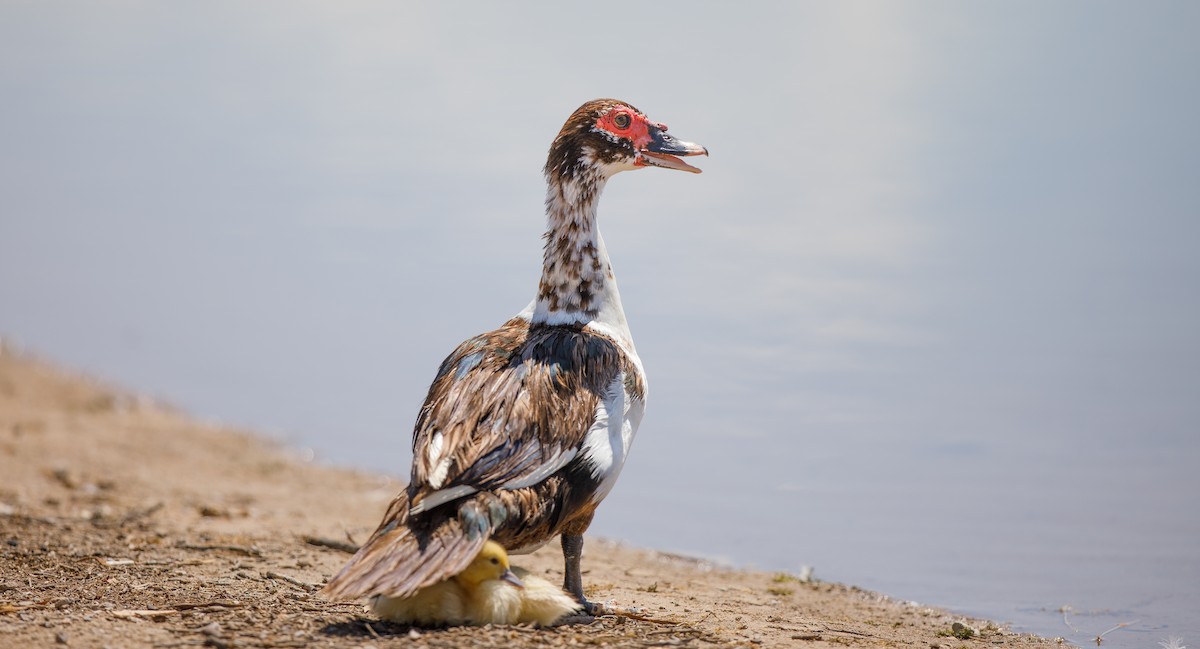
608 440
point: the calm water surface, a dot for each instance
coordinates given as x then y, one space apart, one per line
926 323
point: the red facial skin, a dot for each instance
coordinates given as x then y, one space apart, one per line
637 131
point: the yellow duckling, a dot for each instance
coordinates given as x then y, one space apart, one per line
488 591
543 603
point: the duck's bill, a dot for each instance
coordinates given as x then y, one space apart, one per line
663 151
512 579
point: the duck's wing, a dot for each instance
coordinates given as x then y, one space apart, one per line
510 408
507 410
406 555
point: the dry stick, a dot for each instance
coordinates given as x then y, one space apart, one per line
635 616
271 574
332 544
250 552
144 613
138 514
13 608
848 632
226 603
371 631
674 631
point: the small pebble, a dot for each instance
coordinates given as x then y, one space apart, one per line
60 638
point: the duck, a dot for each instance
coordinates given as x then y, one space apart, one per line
488 591
525 428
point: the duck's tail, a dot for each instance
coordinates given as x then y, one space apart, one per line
407 553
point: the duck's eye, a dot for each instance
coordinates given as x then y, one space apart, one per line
621 120
495 561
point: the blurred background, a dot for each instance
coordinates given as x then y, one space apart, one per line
927 322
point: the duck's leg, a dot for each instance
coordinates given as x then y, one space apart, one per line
572 546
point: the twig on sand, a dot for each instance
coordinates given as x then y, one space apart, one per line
138 514
250 551
13 608
371 630
271 574
861 634
150 613
222 603
676 631
332 544
642 618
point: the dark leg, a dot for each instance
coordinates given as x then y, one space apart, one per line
572 546
572 579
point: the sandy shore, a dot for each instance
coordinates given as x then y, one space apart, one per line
124 523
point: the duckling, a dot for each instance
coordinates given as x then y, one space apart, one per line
543 603
488 591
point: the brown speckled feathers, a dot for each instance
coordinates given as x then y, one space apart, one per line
526 428
505 403
576 134
510 400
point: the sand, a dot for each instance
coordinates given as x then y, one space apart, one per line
125 523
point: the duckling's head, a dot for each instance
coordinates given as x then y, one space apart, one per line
491 563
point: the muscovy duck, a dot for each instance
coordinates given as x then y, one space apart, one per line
525 428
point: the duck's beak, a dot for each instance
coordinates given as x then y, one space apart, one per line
662 149
508 576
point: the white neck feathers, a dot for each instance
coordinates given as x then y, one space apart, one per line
577 285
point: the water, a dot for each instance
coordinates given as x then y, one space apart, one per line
926 322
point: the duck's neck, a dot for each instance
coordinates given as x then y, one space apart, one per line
577 285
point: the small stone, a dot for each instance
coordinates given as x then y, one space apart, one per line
961 631
60 638
211 629
413 634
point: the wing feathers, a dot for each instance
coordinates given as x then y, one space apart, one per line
402 556
509 408
496 450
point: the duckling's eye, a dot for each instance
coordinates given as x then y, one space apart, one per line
621 120
495 561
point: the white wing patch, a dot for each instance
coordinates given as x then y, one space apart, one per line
608 440
604 448
543 471
438 497
438 465
548 468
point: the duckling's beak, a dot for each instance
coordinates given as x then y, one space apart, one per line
508 576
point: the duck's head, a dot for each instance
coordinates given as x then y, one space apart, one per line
491 563
606 136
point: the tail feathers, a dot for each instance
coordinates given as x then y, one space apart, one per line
404 555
